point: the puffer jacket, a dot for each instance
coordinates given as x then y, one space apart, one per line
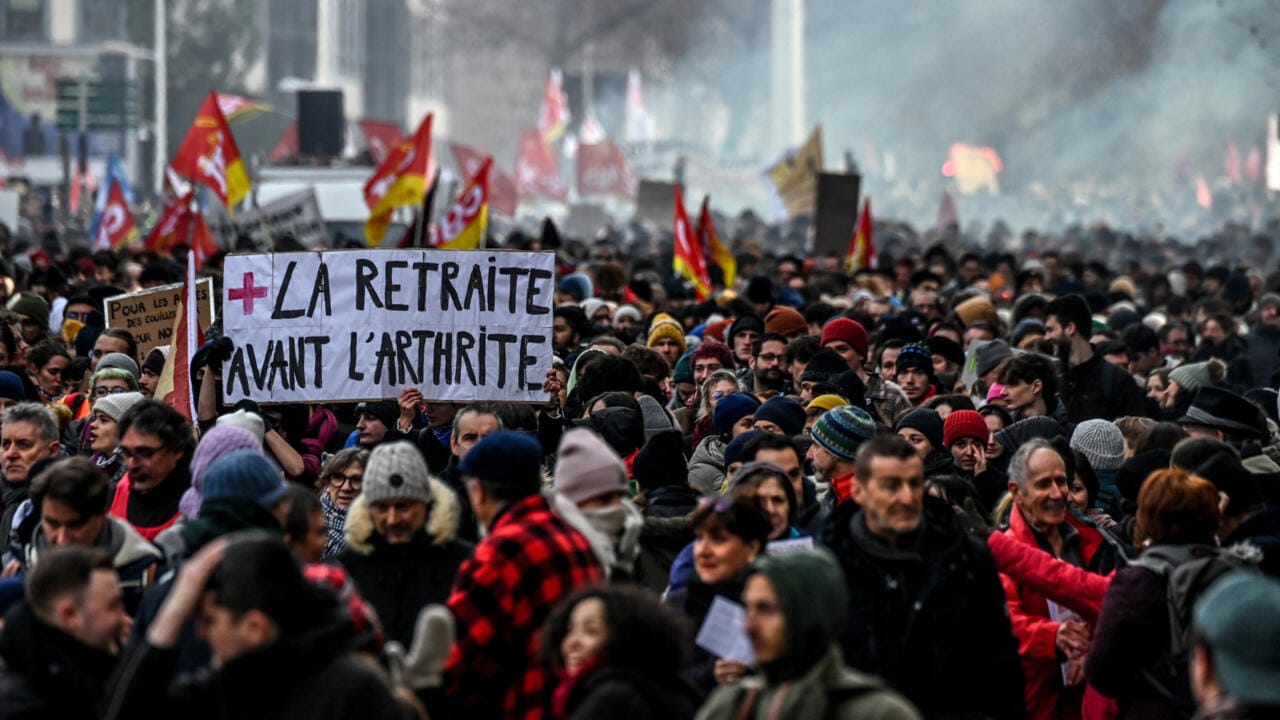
399 580
706 466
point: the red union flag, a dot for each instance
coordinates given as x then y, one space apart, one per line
209 155
173 227
603 170
503 197
117 226
688 260
400 180
380 136
553 116
463 227
536 171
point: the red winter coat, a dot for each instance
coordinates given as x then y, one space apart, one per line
1036 633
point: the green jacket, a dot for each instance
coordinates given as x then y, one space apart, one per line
829 691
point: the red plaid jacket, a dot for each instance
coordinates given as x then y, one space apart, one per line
530 560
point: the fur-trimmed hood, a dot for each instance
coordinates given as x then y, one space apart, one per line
442 521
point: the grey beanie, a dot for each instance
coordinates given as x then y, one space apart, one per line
119 360
396 471
1191 376
1100 441
115 406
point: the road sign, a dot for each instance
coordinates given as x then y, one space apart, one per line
106 104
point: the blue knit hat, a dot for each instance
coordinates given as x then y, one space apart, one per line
916 355
246 475
783 412
733 451
732 408
842 430
11 386
507 458
684 368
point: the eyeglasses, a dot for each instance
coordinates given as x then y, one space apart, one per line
142 452
720 393
337 480
103 391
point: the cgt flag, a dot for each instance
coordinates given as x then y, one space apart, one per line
502 187
115 173
862 248
116 227
209 155
400 180
688 261
174 385
182 223
464 226
709 240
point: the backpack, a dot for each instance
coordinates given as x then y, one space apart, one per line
1188 570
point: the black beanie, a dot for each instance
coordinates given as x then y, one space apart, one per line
928 422
661 461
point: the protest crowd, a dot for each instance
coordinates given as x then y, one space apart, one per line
957 483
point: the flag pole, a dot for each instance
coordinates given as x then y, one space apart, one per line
424 216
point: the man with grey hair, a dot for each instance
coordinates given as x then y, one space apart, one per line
1040 519
28 435
1263 350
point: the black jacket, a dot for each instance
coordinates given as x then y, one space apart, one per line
400 580
930 619
47 673
310 676
665 533
1098 389
624 694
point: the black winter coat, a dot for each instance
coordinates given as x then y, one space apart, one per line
665 533
400 580
624 694
47 673
311 676
930 619
1098 389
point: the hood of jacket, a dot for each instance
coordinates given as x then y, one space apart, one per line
811 592
125 544
442 519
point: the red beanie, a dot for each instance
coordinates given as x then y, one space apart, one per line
964 423
848 330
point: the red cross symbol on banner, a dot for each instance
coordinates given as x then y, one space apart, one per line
247 293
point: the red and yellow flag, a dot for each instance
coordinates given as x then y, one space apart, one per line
174 385
173 227
464 226
688 261
209 155
862 249
117 226
709 239
400 180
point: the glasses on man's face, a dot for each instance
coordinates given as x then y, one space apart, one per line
355 480
142 452
103 391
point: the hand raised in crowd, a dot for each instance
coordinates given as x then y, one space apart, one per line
552 385
980 465
185 596
410 399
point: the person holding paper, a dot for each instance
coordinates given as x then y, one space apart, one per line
794 611
728 533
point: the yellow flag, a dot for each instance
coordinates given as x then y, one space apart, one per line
464 226
795 178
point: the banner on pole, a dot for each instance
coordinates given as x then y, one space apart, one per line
149 314
347 325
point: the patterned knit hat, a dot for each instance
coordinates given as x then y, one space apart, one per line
842 430
1100 441
964 423
916 355
396 470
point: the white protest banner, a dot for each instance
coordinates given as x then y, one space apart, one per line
297 214
148 314
345 325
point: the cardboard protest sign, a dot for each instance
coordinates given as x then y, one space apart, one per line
348 325
149 314
296 213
